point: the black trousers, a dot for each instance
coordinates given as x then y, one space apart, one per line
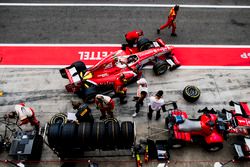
158 115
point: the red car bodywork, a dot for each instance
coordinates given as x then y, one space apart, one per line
209 133
204 129
100 77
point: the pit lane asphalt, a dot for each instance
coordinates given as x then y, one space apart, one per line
109 24
43 89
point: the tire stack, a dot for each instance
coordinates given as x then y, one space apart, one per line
108 135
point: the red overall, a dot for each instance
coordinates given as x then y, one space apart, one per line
120 88
107 105
171 21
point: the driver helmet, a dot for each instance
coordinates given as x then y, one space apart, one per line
123 59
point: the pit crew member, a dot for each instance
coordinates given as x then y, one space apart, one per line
105 104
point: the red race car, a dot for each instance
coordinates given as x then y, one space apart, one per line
100 78
238 119
205 130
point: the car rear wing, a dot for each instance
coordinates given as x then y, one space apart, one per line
240 108
71 74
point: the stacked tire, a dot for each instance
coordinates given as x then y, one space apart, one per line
108 135
127 134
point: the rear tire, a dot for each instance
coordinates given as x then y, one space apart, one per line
144 44
88 94
191 93
160 67
80 67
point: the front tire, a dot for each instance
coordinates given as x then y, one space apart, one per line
160 67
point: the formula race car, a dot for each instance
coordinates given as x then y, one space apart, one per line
237 119
100 78
206 130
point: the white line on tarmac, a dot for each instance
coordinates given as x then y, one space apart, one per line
117 45
122 5
148 67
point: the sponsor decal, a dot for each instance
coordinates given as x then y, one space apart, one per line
58 55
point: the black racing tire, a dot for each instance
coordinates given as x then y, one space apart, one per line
60 118
54 135
191 93
144 44
84 134
213 147
160 67
69 135
127 134
80 66
88 94
112 134
175 143
37 148
98 137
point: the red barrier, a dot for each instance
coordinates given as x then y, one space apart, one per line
44 55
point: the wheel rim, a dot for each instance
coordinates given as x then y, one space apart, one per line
192 91
162 69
